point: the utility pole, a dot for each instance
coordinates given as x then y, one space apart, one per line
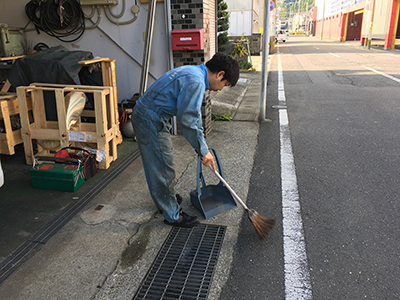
307 20
372 8
265 51
322 24
298 17
341 22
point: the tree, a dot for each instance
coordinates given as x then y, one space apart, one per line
293 5
223 25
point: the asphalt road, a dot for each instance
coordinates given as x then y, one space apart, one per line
343 110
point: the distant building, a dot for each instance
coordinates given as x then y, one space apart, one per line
244 17
362 20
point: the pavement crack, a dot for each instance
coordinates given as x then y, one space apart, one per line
134 250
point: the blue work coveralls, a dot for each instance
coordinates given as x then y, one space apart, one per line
178 93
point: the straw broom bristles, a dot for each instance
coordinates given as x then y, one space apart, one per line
262 225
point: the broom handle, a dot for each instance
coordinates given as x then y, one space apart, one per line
230 189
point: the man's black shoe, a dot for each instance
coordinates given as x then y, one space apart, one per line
178 198
184 221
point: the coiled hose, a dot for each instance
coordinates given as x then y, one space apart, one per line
57 18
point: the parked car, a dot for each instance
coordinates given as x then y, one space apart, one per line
281 36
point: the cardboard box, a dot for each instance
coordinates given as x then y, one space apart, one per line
56 176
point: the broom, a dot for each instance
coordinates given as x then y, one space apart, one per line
262 225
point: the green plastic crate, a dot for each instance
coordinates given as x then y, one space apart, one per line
55 176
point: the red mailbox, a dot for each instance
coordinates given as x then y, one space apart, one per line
187 39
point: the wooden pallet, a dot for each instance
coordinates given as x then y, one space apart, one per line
100 135
109 79
9 109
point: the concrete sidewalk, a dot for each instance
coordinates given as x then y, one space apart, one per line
106 253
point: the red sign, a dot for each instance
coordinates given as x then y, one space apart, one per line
45 167
271 5
70 167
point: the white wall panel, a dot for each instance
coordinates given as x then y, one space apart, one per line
240 23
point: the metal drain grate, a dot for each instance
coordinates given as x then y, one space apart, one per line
184 267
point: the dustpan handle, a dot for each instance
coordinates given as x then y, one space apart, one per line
200 176
218 161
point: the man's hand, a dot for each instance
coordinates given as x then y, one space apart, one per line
208 160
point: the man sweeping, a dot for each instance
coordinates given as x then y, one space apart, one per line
178 93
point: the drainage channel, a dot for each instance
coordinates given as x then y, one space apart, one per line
184 267
30 247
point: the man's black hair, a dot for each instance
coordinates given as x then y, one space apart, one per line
222 62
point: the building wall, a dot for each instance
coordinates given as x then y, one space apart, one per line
382 11
355 10
398 28
124 43
210 27
198 14
244 17
333 7
332 23
334 26
240 23
354 26
256 17
331 27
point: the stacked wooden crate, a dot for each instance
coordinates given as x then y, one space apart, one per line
100 135
109 79
9 110
10 135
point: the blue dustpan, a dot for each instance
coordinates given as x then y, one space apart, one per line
211 200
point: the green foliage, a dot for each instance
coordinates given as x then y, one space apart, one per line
245 65
223 14
222 7
225 117
223 39
222 25
292 6
240 48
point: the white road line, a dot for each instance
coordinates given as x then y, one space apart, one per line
334 54
282 97
383 74
297 276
